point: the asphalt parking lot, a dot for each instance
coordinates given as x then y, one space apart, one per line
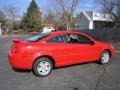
89 76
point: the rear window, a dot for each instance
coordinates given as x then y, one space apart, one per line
34 38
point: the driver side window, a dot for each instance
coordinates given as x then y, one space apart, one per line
77 38
83 39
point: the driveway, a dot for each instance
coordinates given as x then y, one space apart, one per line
89 76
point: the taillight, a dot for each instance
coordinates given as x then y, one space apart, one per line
14 49
18 45
15 45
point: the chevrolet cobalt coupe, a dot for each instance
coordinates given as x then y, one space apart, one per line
43 52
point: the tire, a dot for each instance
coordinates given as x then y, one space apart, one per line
105 57
42 67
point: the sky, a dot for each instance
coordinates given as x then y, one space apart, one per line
22 5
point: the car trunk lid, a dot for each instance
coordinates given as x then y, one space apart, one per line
17 44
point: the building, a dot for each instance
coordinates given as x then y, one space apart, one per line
48 29
94 20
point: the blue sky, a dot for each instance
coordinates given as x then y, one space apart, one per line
22 5
43 4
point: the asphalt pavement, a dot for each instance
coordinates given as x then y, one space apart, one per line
89 76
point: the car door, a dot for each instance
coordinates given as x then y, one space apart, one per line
57 47
80 49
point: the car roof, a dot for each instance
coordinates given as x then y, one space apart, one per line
69 32
65 32
57 33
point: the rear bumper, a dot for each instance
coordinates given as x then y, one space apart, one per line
19 62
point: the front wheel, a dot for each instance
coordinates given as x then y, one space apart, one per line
105 57
42 67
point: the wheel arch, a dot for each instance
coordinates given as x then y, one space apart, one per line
47 56
108 51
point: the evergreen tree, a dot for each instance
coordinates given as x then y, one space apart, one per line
2 19
31 21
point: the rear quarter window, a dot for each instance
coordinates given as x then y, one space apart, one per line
57 39
34 38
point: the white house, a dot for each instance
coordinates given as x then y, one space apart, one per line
48 29
93 20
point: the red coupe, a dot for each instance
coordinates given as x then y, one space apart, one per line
43 52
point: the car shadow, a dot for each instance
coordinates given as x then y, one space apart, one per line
22 70
73 65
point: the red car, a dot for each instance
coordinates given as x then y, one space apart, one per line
43 52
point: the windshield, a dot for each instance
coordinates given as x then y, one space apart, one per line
34 38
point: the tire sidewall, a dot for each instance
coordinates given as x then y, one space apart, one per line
101 61
35 64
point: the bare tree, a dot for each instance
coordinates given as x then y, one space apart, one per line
112 7
49 19
11 12
64 11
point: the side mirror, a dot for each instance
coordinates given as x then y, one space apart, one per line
92 42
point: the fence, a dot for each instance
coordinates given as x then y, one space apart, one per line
112 35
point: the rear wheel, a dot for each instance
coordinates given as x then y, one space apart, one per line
105 57
42 67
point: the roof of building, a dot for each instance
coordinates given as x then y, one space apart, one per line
89 13
93 15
